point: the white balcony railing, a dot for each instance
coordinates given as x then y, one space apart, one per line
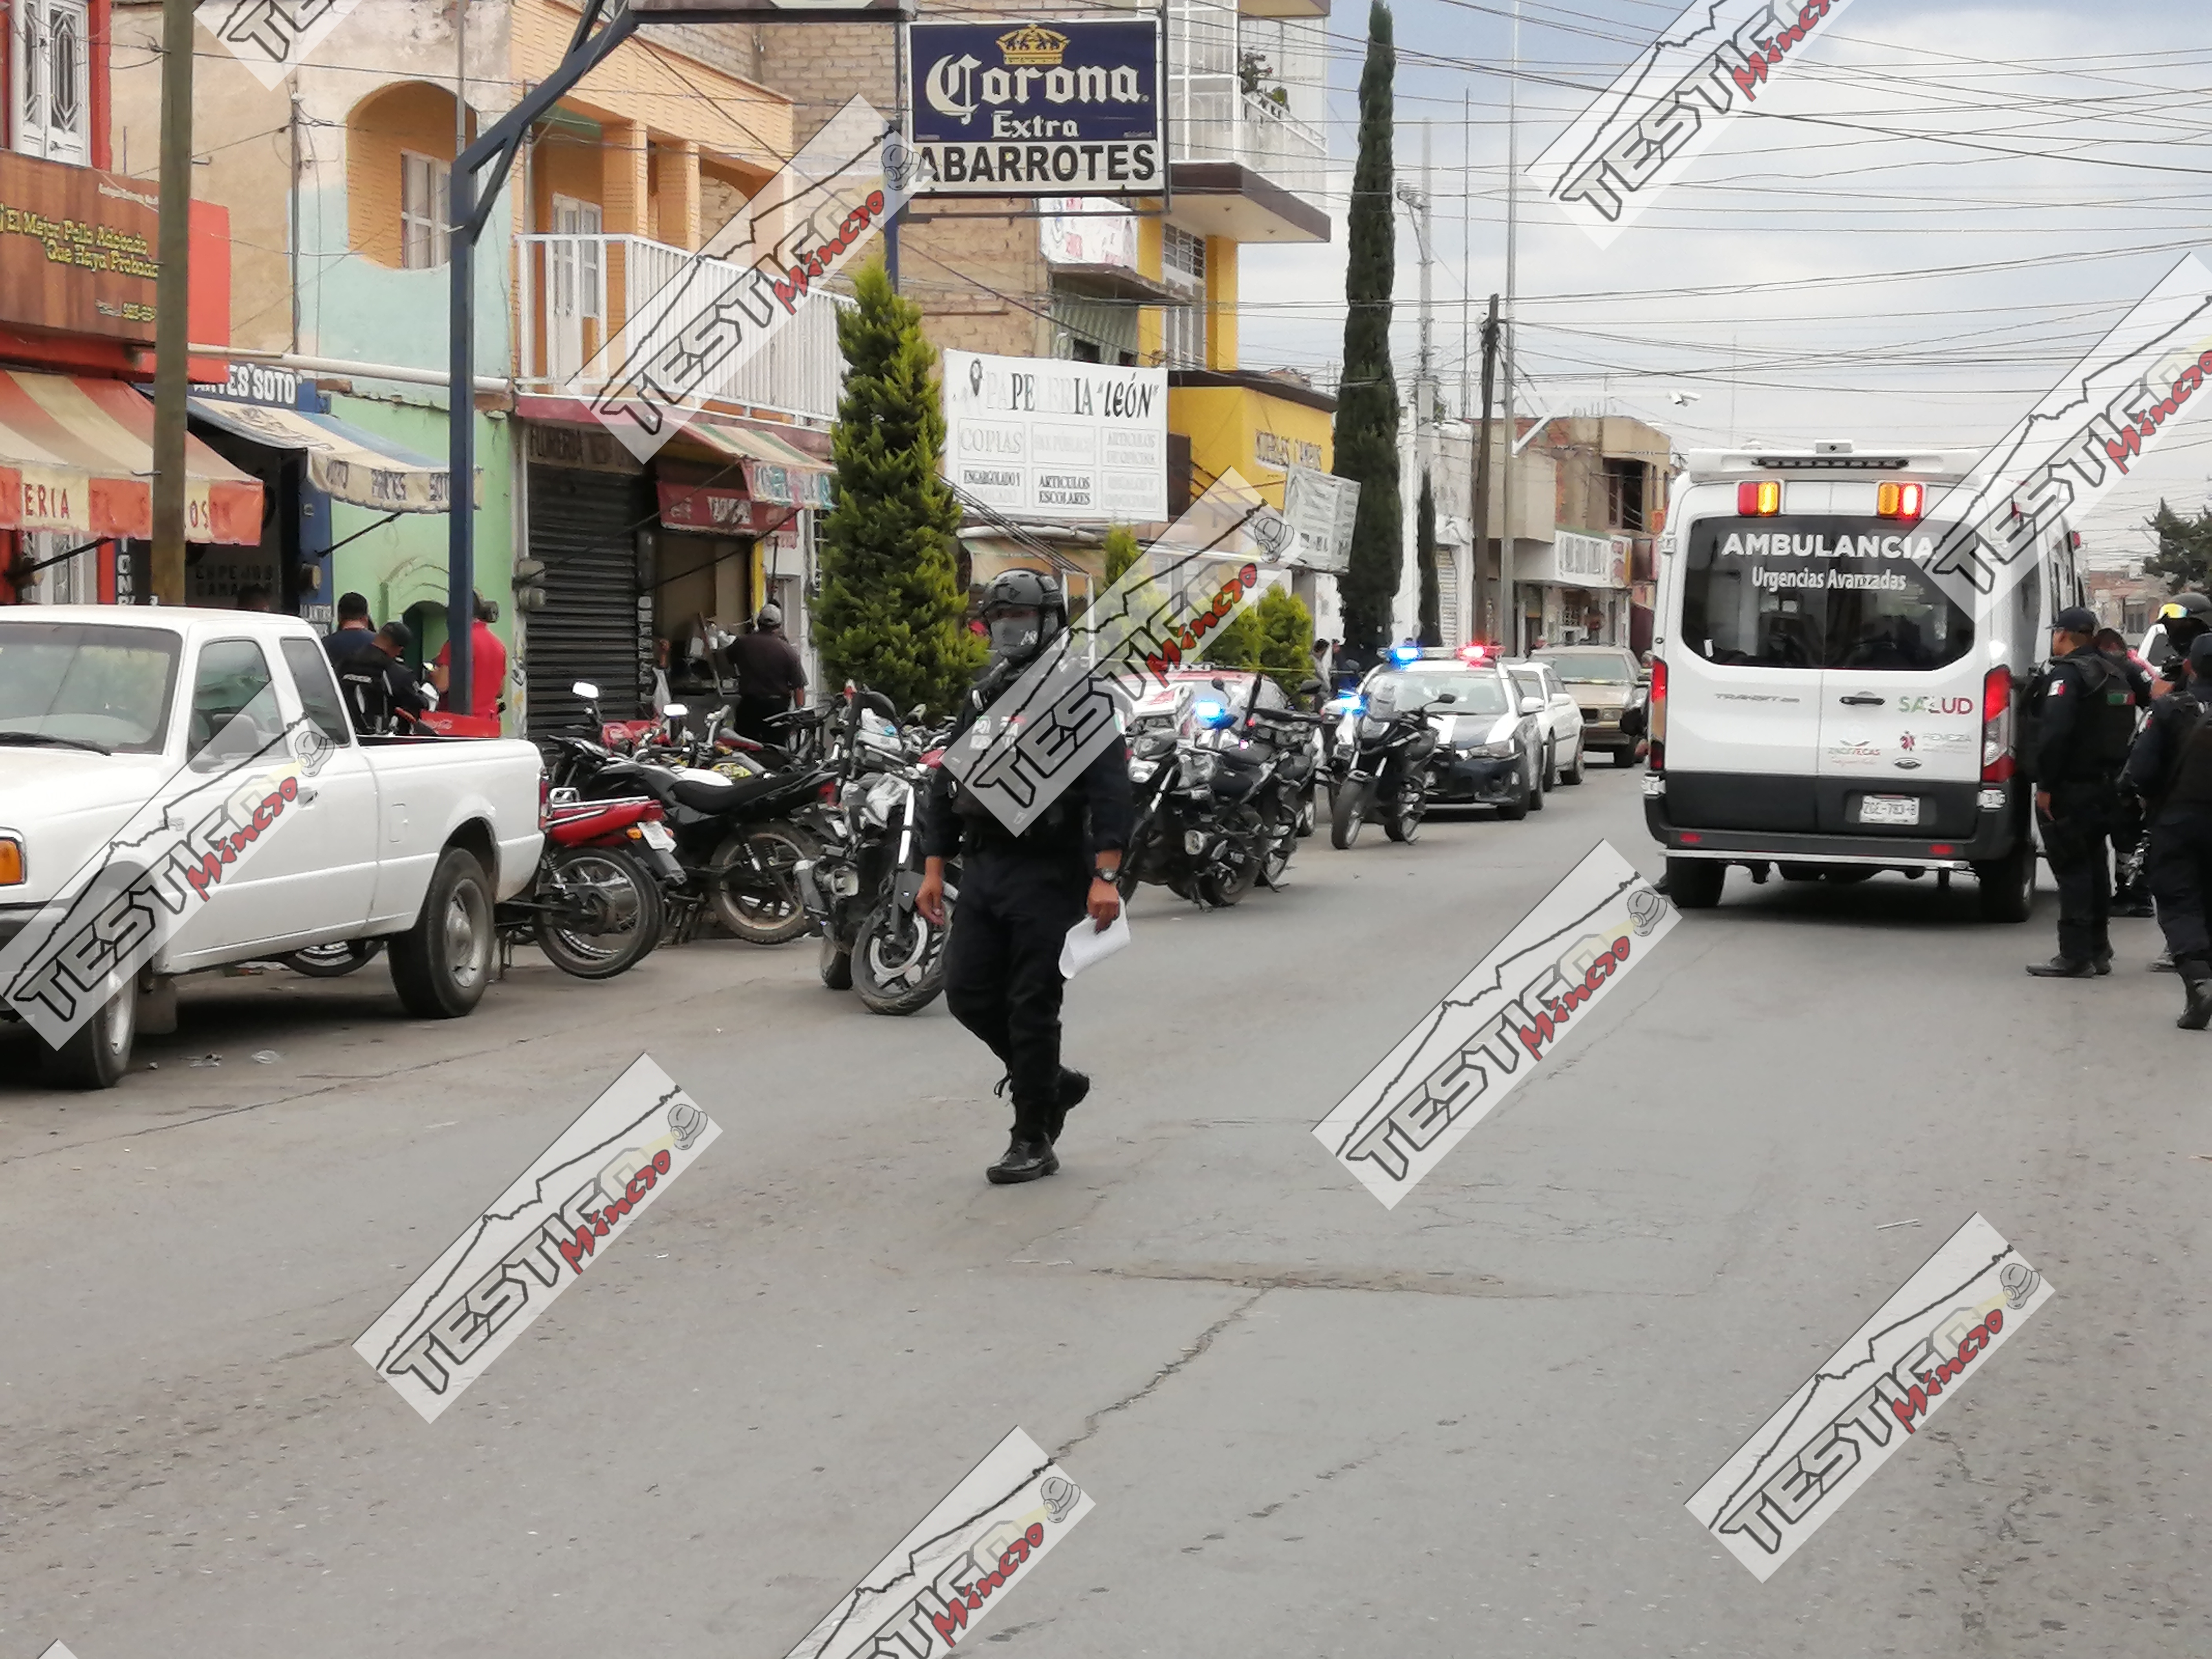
578 292
1215 119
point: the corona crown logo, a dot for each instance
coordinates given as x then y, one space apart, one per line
1033 43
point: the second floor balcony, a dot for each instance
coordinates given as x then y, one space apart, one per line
1244 97
579 293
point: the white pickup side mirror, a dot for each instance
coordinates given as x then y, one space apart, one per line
585 689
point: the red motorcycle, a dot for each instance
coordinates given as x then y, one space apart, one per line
595 908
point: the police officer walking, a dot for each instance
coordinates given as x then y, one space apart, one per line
1020 895
2086 715
2172 767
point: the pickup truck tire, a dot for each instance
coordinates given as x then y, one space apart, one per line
98 1052
441 965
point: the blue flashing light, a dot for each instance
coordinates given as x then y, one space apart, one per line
1345 705
1402 654
1210 713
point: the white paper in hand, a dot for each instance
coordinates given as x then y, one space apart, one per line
1086 945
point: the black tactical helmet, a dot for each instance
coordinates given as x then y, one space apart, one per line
2186 607
1017 641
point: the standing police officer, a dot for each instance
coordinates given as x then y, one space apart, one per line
2086 717
1020 895
2172 766
2185 617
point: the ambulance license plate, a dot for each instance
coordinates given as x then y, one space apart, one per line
1889 809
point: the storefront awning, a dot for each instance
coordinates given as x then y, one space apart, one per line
776 472
76 456
344 462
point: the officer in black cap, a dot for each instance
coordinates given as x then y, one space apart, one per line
2172 767
1020 895
2085 720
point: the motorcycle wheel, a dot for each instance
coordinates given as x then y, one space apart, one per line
1405 824
835 966
755 895
1345 816
898 960
616 896
1308 819
1277 863
333 961
1222 889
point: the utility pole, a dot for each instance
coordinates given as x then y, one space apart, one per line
1479 531
1507 598
171 314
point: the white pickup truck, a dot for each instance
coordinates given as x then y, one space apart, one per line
180 789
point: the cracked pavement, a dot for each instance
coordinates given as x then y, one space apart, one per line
1312 1426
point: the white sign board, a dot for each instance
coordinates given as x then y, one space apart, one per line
1037 437
1321 508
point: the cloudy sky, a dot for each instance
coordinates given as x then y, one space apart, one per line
1933 211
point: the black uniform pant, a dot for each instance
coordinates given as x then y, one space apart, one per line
1002 964
2180 871
2131 843
2077 839
752 715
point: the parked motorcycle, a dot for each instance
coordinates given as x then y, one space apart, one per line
859 893
594 908
736 841
1207 826
1385 765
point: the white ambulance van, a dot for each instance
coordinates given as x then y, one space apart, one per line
1820 700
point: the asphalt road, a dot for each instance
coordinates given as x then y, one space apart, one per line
1312 1426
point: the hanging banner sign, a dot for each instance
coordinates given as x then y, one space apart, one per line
1048 438
1035 110
1320 507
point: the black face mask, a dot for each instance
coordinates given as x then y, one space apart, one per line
1016 636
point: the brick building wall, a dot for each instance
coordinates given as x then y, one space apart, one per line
981 281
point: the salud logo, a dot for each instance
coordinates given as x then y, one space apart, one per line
1030 56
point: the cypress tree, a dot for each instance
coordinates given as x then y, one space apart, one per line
1367 400
891 615
1425 552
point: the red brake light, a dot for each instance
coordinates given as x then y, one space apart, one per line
1758 498
1655 715
544 801
1996 724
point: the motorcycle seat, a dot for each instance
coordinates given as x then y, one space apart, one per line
717 795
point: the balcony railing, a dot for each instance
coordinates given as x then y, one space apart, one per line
579 291
1213 119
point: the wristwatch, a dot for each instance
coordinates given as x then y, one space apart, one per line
1111 877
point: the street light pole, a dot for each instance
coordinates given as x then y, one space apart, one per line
172 307
1506 595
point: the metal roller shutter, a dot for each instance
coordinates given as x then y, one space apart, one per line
584 525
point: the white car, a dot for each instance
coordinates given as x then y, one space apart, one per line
186 785
1560 722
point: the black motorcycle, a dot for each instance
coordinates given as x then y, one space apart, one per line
1204 826
738 841
1385 767
859 892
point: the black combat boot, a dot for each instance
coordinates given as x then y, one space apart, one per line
2196 981
1074 1086
2061 968
1027 1159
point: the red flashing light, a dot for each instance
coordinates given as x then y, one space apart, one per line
1758 498
1474 653
1655 716
1900 500
1996 724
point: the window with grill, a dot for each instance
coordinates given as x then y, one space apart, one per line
48 79
1182 267
425 210
1624 494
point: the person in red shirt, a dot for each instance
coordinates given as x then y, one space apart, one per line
487 664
